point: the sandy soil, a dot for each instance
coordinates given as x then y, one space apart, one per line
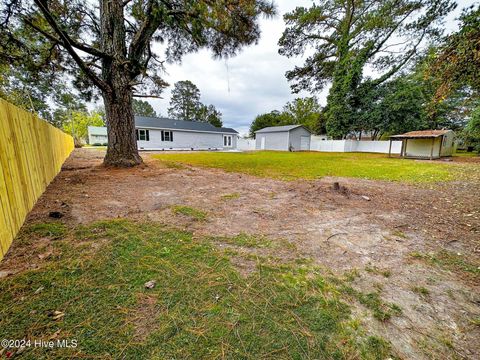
367 224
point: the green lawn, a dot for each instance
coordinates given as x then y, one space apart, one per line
200 308
463 153
313 165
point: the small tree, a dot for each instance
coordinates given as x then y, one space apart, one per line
143 108
471 133
307 112
273 118
185 101
78 123
210 114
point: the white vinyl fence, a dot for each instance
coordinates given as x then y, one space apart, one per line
245 144
316 144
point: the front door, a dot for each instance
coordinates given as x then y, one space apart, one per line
227 140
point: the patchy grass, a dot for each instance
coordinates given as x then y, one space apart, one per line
464 153
190 212
231 196
375 270
200 307
48 229
421 290
254 241
314 165
399 233
451 261
381 310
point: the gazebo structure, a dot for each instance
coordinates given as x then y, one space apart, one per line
425 144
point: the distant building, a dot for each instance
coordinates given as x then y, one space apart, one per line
97 135
425 144
284 138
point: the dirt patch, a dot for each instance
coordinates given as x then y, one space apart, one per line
366 224
145 316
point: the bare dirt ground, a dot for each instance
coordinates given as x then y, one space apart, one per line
372 226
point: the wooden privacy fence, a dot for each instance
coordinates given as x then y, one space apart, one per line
31 155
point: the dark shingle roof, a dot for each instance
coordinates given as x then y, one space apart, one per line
165 123
278 128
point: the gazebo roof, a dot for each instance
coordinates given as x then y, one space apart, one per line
422 134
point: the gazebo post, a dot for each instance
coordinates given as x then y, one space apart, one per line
390 148
405 148
431 150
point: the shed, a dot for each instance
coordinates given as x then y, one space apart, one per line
425 144
284 138
97 135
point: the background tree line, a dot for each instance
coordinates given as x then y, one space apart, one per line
424 80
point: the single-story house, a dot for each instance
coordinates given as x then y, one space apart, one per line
170 134
425 144
285 138
97 135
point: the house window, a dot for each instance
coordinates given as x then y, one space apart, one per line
142 135
167 135
227 140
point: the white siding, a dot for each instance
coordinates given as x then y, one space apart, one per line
246 144
97 139
422 147
273 141
185 140
295 138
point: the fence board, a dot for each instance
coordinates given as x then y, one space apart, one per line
31 155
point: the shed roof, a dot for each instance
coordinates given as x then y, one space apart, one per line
280 128
166 123
97 130
421 134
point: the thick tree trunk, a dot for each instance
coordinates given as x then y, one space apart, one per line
122 144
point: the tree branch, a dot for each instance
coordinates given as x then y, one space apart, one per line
67 44
396 68
75 44
147 96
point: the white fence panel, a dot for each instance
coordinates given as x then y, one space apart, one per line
245 144
317 144
378 146
327 145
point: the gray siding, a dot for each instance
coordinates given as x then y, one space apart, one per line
273 141
97 139
295 135
282 140
186 140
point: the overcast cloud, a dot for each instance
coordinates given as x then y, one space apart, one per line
255 82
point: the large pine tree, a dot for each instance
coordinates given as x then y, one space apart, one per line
107 46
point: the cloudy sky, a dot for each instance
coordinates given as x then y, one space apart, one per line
254 81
